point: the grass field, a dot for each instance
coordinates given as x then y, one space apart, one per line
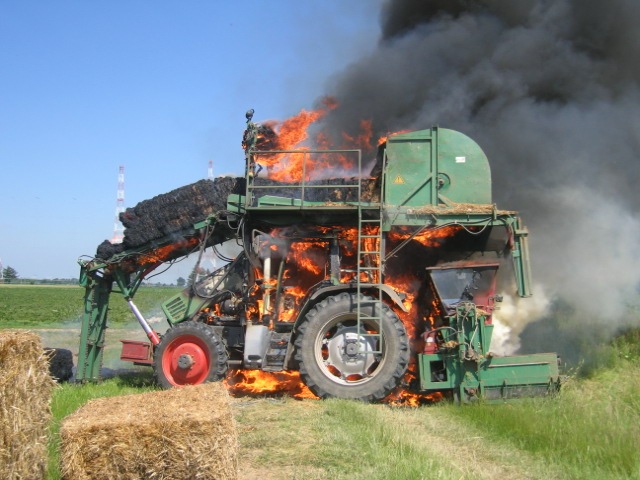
40 306
589 431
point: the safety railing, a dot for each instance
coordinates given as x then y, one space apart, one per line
297 179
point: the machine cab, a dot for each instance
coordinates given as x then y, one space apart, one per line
465 282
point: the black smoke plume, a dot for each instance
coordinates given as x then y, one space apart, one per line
550 90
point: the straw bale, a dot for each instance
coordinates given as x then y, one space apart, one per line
25 398
182 433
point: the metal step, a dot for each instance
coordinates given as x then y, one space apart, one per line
277 352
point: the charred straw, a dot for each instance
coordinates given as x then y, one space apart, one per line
178 210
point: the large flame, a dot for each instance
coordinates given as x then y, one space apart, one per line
293 134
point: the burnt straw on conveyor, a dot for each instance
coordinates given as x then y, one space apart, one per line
180 209
171 212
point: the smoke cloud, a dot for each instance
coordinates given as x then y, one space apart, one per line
550 90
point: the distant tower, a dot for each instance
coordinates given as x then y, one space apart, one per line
210 172
118 229
1 272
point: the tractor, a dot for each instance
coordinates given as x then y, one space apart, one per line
363 275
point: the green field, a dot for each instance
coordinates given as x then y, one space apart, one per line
40 306
589 431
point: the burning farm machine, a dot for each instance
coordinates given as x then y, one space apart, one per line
363 284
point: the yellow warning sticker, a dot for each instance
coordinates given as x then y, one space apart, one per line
399 179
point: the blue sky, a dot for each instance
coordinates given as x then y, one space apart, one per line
160 87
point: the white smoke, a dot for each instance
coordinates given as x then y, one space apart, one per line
512 316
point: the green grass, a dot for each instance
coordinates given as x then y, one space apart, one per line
34 306
590 431
374 442
337 439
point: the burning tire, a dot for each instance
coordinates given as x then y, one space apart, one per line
338 361
189 354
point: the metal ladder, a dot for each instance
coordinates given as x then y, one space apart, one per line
369 268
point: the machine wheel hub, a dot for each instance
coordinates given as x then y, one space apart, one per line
347 357
185 361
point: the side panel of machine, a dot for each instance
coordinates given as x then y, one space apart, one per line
491 378
436 167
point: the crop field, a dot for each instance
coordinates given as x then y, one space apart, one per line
29 306
589 431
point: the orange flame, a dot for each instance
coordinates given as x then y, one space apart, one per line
306 265
406 398
363 139
300 253
292 134
161 254
257 382
428 238
382 140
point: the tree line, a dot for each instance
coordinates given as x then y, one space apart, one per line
10 275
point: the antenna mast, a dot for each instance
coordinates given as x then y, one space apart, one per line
210 171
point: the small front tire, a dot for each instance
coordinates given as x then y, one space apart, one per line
190 353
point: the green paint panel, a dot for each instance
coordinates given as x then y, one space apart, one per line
441 371
435 167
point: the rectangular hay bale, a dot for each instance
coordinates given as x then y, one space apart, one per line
25 405
182 433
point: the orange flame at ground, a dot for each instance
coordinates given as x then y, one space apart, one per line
258 383
406 398
409 398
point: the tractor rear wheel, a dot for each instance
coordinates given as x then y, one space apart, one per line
189 354
337 360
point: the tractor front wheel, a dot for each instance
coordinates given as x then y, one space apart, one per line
189 354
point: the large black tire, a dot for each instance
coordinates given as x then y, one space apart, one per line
60 364
329 350
190 353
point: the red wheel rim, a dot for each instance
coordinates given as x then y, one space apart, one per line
189 349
